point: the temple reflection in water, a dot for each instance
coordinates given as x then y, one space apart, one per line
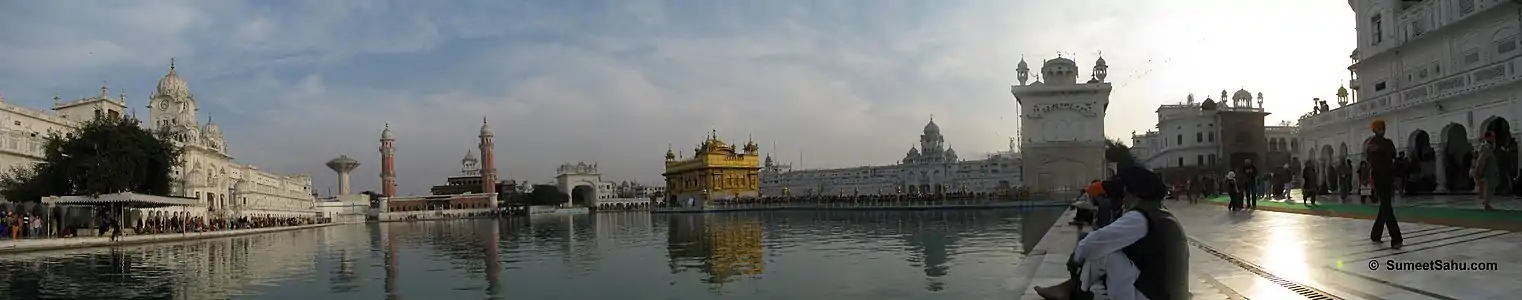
725 247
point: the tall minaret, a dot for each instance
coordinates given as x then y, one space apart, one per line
388 163
488 164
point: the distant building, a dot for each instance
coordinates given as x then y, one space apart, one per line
932 167
1209 138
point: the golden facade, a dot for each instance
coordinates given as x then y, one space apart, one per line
715 171
737 250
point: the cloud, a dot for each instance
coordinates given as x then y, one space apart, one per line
838 83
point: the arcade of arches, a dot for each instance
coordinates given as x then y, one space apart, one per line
1441 160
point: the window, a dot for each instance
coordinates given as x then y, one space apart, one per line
1212 159
1466 7
1180 141
1379 86
1199 160
1421 74
1471 58
1418 27
1210 137
1376 24
1181 161
1199 137
1506 45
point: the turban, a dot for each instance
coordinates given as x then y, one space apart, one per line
1378 124
1136 181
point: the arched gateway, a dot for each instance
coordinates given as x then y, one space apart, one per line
580 182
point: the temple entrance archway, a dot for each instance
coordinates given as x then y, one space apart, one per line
1423 159
1505 152
580 182
584 195
1457 157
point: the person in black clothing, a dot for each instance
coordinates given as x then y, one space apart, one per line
1155 262
1247 178
1309 190
1381 157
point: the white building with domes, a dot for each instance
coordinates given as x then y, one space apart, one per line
208 172
23 130
928 168
1062 124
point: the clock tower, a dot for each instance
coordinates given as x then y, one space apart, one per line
172 108
1062 125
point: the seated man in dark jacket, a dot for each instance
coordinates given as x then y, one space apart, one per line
1142 255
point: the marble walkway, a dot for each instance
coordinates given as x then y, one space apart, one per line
1271 255
1509 203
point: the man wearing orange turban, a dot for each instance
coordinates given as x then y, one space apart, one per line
1380 153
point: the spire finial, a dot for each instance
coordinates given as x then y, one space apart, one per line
483 119
103 90
171 64
932 117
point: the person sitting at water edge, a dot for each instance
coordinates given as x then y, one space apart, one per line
1142 255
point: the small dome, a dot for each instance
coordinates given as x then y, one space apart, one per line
951 154
1241 94
1208 104
1022 65
470 155
172 84
211 130
913 152
671 155
1100 62
1342 91
485 128
386 133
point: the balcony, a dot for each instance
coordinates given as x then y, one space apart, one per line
1448 87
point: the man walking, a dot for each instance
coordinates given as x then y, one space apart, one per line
1381 157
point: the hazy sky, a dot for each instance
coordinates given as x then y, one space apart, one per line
845 83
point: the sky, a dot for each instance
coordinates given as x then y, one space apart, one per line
828 83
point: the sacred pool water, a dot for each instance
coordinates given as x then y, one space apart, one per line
962 254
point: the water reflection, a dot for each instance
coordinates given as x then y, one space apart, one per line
758 255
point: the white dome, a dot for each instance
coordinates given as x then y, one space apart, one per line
1241 94
172 85
485 129
386 134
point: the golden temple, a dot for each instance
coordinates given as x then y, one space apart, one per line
715 171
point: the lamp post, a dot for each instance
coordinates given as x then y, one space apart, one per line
705 199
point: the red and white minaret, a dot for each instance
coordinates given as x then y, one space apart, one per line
488 163
388 163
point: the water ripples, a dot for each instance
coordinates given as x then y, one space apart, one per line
749 255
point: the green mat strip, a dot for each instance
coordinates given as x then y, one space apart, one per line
1401 212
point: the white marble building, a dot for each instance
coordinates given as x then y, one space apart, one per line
1062 124
1188 135
208 171
929 168
1440 73
24 129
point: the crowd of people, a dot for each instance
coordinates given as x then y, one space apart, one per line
15 225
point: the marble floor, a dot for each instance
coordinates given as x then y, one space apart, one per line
1271 255
1443 201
